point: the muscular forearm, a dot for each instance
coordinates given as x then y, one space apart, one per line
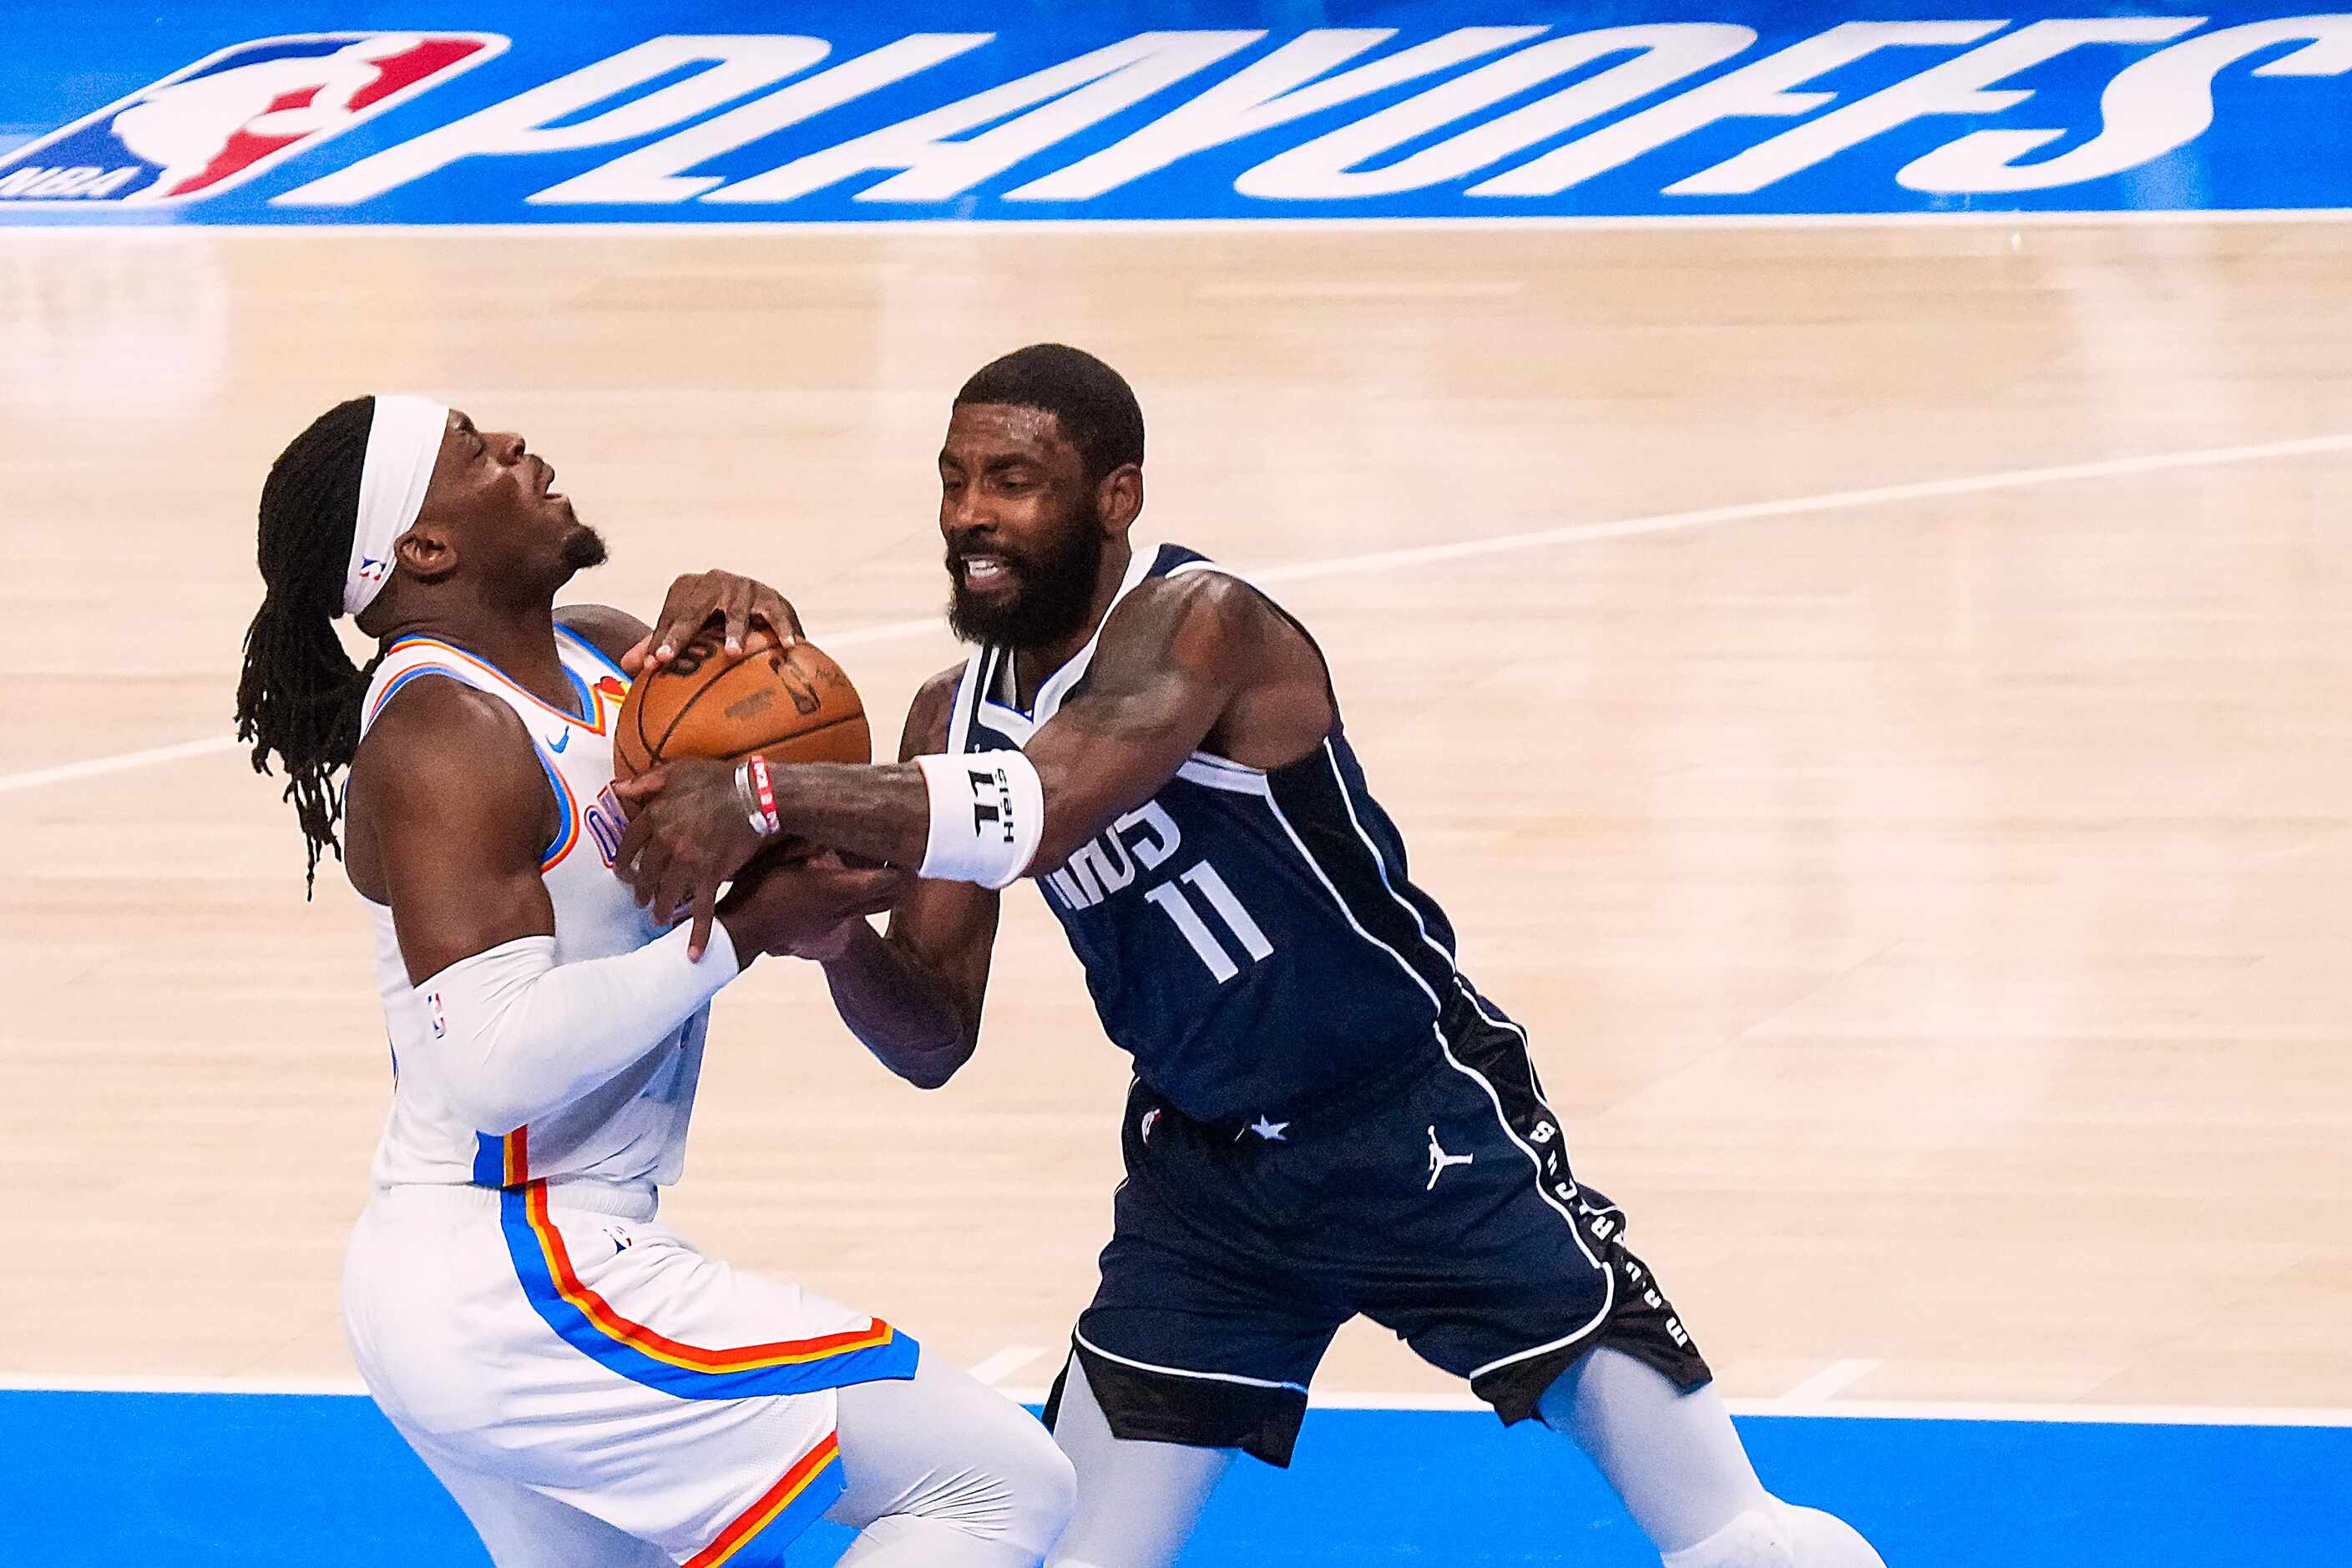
902 1009
878 813
885 813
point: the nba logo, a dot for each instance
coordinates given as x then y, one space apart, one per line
235 114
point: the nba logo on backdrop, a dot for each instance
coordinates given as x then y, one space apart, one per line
235 114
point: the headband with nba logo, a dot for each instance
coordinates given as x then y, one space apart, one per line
403 439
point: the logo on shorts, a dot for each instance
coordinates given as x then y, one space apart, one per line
1144 1127
1439 1160
433 1011
235 114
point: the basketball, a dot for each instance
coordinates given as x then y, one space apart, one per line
795 705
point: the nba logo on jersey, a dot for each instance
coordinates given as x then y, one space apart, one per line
235 114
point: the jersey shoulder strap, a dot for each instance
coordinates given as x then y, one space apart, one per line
413 658
967 696
585 657
600 681
598 684
983 681
1177 561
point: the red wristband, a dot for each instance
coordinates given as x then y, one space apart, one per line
764 791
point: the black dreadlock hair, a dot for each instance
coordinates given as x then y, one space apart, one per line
299 693
1096 407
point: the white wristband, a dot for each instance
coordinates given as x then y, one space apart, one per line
987 811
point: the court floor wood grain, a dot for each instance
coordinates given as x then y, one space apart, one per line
1927 909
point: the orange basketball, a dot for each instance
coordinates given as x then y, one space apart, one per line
794 705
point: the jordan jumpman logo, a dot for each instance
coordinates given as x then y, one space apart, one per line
1438 1159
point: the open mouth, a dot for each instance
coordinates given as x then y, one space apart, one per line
547 482
983 571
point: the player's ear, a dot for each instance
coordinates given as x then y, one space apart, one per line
428 552
1120 498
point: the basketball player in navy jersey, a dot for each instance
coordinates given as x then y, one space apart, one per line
1328 1119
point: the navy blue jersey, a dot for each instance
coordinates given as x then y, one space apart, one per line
1249 936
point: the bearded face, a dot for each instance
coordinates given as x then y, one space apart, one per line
1022 519
1028 594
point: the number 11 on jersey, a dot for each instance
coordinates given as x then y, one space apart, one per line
1177 905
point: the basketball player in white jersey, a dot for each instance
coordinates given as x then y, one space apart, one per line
591 1389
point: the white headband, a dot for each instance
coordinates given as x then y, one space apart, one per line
404 440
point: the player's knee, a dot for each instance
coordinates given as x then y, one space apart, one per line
1023 1498
1825 1541
1779 1536
1044 1487
1756 1538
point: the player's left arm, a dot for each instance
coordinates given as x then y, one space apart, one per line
1175 658
1182 658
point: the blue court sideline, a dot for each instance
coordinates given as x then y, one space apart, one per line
258 1481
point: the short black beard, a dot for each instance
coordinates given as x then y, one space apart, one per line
583 549
1052 595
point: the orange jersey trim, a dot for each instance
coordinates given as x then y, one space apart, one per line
772 1503
605 693
661 1347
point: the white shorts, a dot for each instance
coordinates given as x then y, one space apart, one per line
590 1388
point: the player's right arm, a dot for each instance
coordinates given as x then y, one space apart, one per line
448 795
456 810
914 995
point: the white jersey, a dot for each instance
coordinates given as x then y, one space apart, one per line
631 1128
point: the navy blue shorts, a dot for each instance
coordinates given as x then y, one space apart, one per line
1437 1200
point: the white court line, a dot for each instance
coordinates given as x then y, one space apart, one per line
1886 1409
95 766
1911 1410
1832 501
1006 1362
2078 1415
1829 1383
575 230
156 1383
1508 543
1851 1409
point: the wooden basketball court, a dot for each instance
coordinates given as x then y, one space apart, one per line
1872 697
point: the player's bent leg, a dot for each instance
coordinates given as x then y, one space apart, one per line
943 1470
1676 1459
1825 1541
1138 1501
1780 1536
569 1345
1496 1262
521 1529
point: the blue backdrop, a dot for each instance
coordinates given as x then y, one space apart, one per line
722 110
